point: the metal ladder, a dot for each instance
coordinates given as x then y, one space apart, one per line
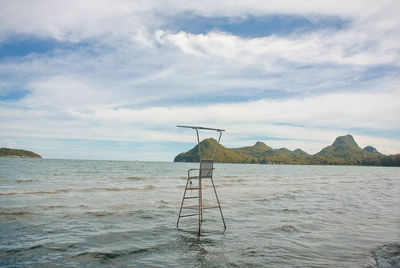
204 172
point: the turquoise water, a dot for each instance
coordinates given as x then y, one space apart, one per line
101 213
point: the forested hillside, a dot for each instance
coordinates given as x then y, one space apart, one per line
343 151
7 152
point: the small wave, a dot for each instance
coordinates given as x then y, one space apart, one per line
27 192
133 178
113 188
58 191
289 210
287 228
283 197
23 249
110 189
228 184
110 256
99 213
262 200
15 215
388 256
149 187
144 214
26 181
238 182
54 207
164 204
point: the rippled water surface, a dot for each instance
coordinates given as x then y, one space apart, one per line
102 213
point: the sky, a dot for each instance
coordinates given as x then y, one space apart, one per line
111 79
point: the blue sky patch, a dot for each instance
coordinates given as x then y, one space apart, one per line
255 26
232 95
23 46
12 94
376 72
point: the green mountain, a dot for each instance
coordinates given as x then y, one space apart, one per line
371 149
300 151
223 154
343 151
250 154
7 152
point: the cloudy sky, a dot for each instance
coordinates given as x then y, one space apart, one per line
112 79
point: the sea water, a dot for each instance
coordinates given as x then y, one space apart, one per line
114 213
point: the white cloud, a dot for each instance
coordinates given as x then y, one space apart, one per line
69 20
315 48
317 118
62 92
383 145
76 20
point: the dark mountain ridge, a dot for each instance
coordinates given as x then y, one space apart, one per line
343 151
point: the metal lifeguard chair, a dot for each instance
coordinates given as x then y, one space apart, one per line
205 172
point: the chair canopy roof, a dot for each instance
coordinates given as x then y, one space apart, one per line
198 139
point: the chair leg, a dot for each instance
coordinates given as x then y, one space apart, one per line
183 199
219 205
200 205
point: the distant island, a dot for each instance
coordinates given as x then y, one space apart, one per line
343 151
16 153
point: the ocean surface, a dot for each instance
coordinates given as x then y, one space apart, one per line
115 213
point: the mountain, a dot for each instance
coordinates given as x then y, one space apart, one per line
223 154
343 151
7 152
250 154
371 149
300 151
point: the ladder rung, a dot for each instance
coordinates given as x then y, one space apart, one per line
194 188
188 215
190 197
202 207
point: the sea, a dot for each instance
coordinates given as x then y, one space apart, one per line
82 213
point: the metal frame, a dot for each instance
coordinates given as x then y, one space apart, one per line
200 206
